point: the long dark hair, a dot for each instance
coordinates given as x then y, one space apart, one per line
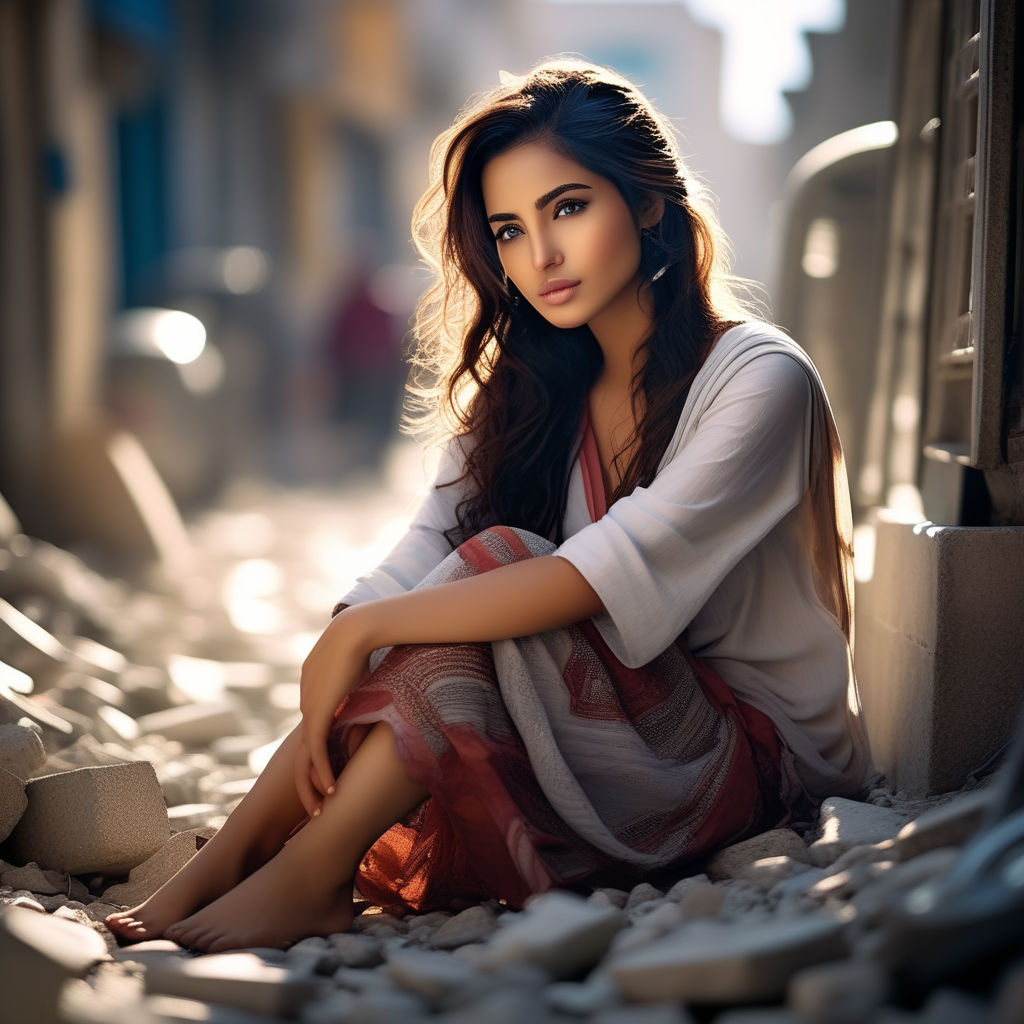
496 370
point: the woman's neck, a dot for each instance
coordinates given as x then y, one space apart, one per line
620 332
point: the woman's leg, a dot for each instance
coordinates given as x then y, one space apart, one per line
254 831
306 888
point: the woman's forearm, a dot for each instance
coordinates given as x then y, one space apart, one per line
514 600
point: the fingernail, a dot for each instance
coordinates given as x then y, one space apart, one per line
316 813
330 791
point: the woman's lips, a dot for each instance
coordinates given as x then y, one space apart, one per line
559 291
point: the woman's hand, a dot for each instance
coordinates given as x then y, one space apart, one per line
331 671
306 783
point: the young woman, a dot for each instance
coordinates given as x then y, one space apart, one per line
617 633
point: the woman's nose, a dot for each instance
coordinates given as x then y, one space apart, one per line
545 253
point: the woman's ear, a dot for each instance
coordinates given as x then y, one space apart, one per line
652 210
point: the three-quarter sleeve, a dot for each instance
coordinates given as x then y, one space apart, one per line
425 544
658 554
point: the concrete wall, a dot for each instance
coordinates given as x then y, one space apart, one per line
940 649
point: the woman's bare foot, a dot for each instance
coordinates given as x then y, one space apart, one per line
281 903
196 884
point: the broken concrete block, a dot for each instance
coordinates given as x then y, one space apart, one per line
474 924
15 705
241 980
13 802
950 824
357 950
145 878
779 842
21 750
717 963
848 823
38 953
558 931
843 992
194 725
35 879
101 820
768 871
428 973
28 647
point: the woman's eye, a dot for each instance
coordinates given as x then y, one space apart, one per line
508 232
568 207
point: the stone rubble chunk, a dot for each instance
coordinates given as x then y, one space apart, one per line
379 925
87 694
716 963
356 950
843 992
423 926
28 647
954 1006
25 901
13 802
780 842
798 885
21 750
13 680
314 955
663 1013
116 725
868 853
559 931
505 1006
15 706
641 894
387 1006
874 901
1009 996
743 899
86 752
768 871
241 980
334 1007
430 974
847 823
702 901
610 897
583 998
38 953
474 924
950 824
190 816
195 725
144 879
33 878
100 820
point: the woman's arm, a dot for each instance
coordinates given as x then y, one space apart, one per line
526 597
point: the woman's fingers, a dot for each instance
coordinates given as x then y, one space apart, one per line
308 796
321 763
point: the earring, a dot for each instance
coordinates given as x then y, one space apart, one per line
649 254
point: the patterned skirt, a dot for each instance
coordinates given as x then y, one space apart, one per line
549 763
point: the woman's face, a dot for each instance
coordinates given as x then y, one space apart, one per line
565 236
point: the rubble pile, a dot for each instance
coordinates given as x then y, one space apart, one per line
133 719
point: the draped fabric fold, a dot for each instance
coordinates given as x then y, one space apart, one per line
550 763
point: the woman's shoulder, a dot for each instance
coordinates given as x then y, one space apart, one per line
749 340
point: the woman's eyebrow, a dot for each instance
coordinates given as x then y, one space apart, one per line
540 203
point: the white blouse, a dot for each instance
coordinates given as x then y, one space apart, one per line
716 548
